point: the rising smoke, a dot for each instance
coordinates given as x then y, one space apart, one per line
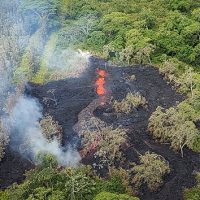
26 135
69 62
74 63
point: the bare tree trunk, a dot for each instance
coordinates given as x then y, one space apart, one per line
191 89
149 60
181 147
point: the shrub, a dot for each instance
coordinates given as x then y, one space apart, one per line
123 177
127 55
116 182
51 128
169 69
194 192
104 140
150 171
188 81
108 144
129 103
143 55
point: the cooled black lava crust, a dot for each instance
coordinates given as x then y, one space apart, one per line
73 95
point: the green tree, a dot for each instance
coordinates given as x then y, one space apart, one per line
25 69
191 34
176 21
168 41
182 5
30 59
175 125
150 171
196 14
115 23
73 9
42 9
136 39
41 75
96 40
195 55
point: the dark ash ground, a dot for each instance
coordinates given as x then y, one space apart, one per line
73 95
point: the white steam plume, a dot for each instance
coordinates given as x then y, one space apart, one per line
65 63
27 138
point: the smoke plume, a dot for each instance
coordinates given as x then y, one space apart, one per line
72 62
65 63
26 135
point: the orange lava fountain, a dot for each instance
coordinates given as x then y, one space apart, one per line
100 83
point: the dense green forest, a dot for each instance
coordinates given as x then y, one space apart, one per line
160 33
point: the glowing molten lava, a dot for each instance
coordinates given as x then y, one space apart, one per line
101 72
100 82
